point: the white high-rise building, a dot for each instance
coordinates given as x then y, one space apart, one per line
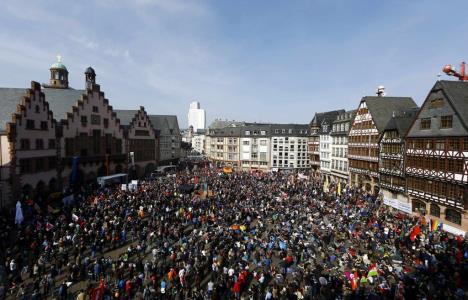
196 116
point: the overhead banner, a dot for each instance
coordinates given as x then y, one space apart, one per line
403 206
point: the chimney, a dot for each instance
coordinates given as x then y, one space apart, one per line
380 91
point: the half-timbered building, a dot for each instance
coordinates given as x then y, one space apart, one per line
372 116
437 156
321 123
392 157
140 141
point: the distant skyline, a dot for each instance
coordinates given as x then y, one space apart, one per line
254 61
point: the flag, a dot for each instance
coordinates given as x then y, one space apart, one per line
74 172
434 224
19 214
339 188
325 185
415 232
48 226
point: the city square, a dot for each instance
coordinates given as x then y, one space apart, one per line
155 149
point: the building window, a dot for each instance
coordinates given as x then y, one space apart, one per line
247 132
245 143
435 210
44 125
30 124
84 120
419 206
96 119
453 144
52 162
446 122
453 216
39 144
440 145
425 123
106 122
25 144
95 109
25 165
37 109
39 164
51 144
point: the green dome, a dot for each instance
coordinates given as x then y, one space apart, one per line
58 65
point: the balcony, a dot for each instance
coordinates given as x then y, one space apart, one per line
366 158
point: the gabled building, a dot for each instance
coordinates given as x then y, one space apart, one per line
28 145
325 146
392 157
316 127
141 142
89 135
437 156
170 138
339 146
54 137
372 116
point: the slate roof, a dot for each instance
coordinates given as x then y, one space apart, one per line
9 99
457 93
402 121
383 108
163 124
61 101
125 115
329 116
222 124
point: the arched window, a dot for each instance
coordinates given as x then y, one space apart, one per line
419 206
435 210
453 216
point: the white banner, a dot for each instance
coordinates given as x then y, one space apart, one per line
453 230
403 206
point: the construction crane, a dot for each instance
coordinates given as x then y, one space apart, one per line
451 71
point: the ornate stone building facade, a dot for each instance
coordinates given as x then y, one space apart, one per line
28 144
141 142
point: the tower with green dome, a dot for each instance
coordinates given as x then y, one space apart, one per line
58 75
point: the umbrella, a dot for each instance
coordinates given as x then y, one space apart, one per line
19 214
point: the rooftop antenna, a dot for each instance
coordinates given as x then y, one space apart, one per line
451 71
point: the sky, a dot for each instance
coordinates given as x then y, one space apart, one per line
255 61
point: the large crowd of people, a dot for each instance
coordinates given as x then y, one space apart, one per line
234 236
